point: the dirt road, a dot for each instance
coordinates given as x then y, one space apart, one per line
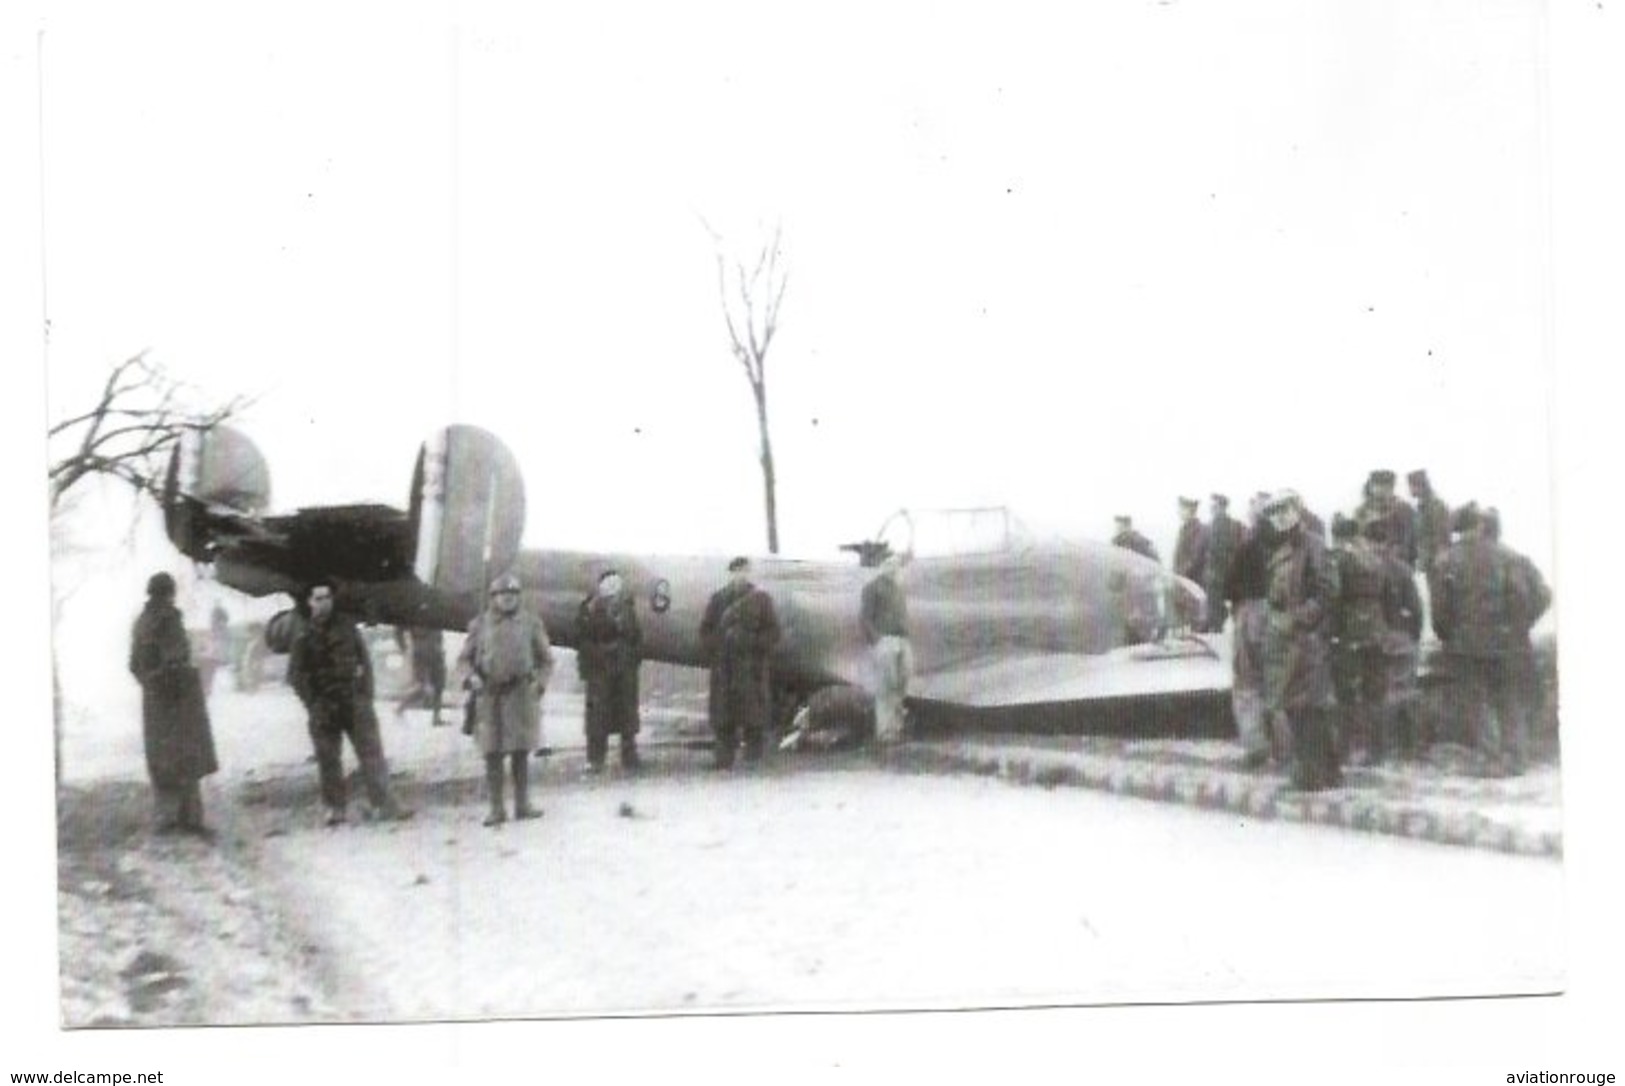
825 884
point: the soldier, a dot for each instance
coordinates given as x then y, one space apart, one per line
1190 546
1531 685
1373 631
1381 504
1244 588
1485 601
1129 539
609 653
739 631
1301 590
331 671
219 652
1432 521
426 648
507 661
884 615
1224 536
174 721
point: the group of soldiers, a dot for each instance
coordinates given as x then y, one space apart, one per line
507 661
1326 637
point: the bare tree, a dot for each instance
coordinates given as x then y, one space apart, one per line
750 297
127 433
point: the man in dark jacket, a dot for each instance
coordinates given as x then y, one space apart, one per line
1224 535
739 631
1382 504
1301 590
331 671
1129 539
1485 601
1405 609
609 653
1376 611
1190 545
1244 586
174 721
1432 521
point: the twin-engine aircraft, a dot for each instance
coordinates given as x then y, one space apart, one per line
1013 633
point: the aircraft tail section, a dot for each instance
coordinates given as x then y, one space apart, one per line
467 511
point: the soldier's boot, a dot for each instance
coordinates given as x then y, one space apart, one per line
522 809
630 760
498 813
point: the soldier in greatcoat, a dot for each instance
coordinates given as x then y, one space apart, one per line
1381 503
1190 545
330 669
739 631
426 650
609 652
174 720
1432 521
1224 536
1301 590
1245 585
1486 598
1377 610
506 662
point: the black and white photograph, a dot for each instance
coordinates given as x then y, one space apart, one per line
659 524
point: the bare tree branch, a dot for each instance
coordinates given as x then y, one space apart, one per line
759 290
139 414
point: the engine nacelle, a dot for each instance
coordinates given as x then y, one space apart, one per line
211 469
467 510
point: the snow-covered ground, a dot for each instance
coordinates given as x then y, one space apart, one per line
814 883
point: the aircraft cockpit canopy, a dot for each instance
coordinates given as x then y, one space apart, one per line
932 533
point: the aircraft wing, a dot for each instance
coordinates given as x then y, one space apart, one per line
1193 666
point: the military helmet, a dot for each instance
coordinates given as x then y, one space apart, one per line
505 583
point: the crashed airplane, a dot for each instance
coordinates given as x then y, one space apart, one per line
1010 633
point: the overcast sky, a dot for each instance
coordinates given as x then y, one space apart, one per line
1079 264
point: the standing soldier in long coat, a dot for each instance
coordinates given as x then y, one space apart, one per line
1380 503
1486 599
1301 590
740 630
1432 522
506 662
1190 546
174 721
1374 627
1245 587
426 650
609 651
331 671
1224 536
